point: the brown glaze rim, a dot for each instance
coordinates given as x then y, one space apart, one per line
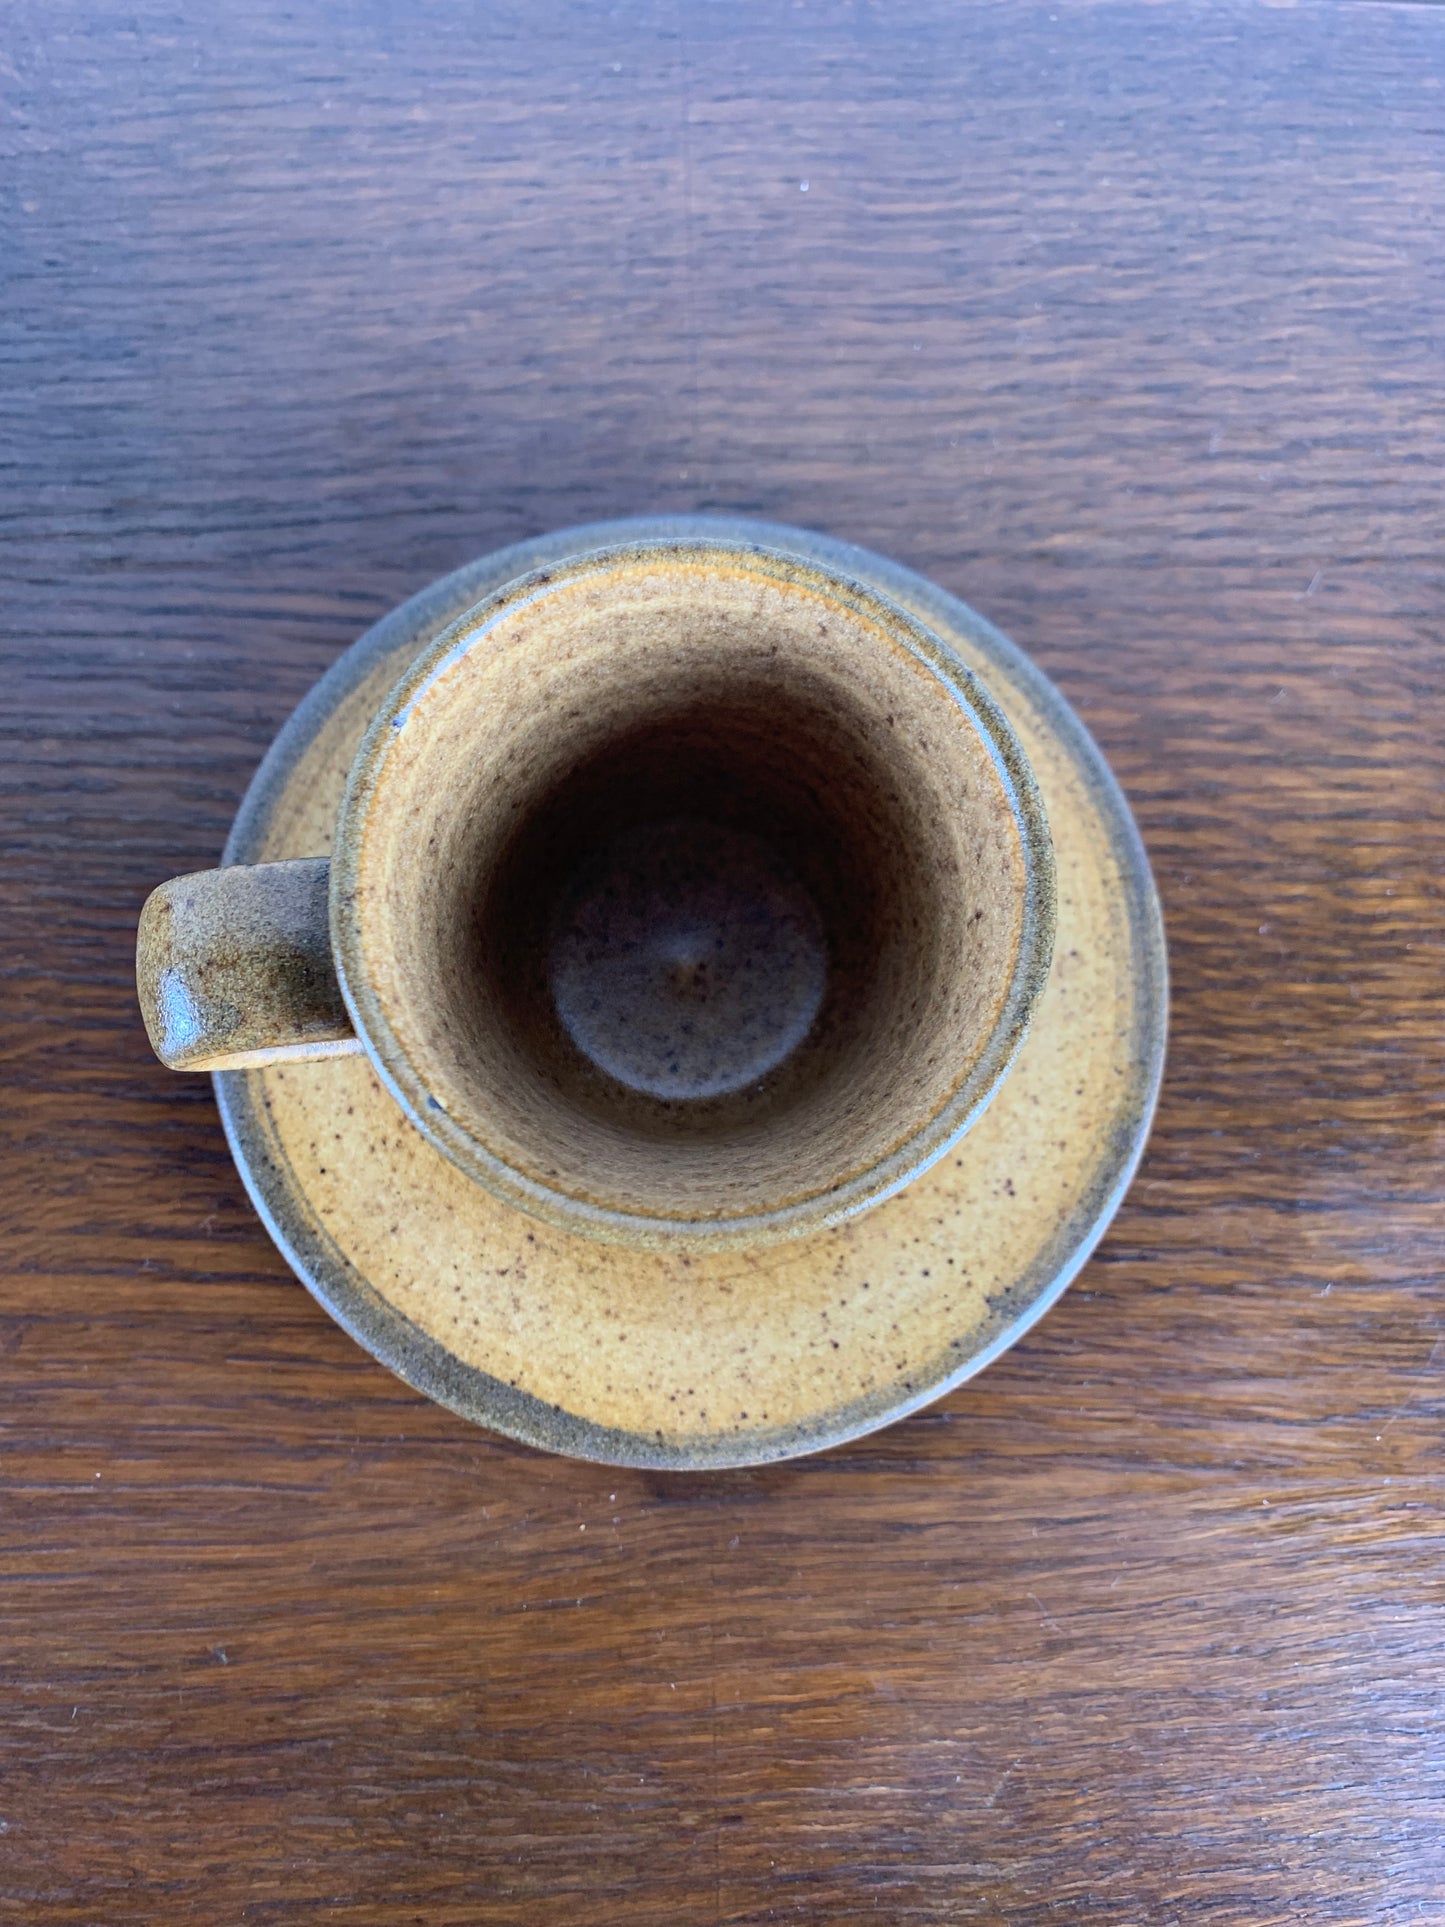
964 1105
419 1359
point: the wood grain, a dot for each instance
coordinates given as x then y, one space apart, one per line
1125 323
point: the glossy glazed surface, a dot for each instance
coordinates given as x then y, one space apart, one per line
234 969
736 685
720 1358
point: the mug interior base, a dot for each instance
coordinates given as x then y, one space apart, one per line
686 960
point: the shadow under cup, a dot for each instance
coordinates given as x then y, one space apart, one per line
691 893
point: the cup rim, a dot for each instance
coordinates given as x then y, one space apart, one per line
821 1210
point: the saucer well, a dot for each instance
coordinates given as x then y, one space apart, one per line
726 1358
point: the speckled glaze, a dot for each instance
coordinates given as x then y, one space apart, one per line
727 1357
631 684
234 968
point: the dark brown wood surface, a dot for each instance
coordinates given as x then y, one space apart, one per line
1124 322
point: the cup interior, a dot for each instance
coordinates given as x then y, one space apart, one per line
691 892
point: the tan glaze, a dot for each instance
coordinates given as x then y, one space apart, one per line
688 1360
877 884
687 893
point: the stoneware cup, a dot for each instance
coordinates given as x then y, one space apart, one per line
686 893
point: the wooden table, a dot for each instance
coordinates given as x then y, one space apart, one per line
1124 322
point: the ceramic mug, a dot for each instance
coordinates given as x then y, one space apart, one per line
687 893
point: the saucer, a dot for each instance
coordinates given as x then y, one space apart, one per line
728 1358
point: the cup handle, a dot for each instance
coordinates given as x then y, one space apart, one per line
234 968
